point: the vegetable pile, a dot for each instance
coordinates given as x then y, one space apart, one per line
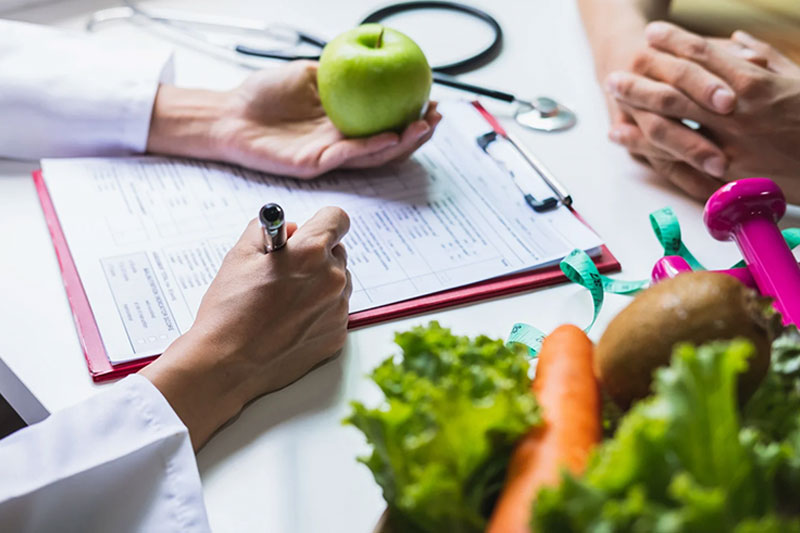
707 438
441 442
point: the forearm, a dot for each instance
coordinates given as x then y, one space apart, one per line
186 122
615 28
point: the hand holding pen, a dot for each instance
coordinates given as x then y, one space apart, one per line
266 320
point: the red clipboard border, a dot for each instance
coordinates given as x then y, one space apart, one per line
101 368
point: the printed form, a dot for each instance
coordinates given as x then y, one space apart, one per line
148 234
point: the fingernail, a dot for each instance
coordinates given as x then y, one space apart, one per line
615 136
746 53
715 166
613 83
740 35
722 99
656 31
424 131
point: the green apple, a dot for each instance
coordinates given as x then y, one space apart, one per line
373 79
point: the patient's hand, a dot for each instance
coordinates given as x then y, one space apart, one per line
266 320
686 76
273 122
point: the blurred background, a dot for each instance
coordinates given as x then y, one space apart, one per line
773 21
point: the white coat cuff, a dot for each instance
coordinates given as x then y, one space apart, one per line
67 94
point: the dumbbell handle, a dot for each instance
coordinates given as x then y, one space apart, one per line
671 265
772 265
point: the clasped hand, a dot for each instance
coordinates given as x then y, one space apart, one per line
744 94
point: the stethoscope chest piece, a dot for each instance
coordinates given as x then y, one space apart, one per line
545 114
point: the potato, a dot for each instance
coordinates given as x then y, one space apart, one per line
695 307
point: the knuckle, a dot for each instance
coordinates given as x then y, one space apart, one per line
696 48
337 279
656 129
667 101
314 252
642 60
336 212
698 154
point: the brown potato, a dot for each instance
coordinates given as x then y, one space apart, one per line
693 307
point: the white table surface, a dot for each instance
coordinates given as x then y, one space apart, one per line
287 464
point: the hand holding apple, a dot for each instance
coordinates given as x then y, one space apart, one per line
373 79
273 122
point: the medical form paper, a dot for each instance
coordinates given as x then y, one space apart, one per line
148 234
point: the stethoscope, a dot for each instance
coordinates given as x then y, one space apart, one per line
542 113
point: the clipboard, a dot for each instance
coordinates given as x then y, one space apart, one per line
101 368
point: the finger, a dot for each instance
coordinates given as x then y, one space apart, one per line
339 253
422 140
694 183
348 288
329 223
291 227
681 43
402 156
732 47
681 143
643 93
632 138
432 115
343 150
697 83
775 60
413 137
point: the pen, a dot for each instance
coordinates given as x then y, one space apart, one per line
537 165
273 223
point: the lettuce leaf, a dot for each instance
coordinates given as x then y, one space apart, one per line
442 439
680 460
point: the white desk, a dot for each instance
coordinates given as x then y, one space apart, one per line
286 464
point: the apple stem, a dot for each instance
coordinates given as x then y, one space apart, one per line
379 42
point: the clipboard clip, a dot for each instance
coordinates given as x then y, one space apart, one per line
540 206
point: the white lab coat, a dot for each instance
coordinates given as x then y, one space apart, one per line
121 460
66 94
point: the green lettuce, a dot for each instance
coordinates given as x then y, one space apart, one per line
442 439
686 460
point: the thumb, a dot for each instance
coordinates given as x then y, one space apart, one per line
291 227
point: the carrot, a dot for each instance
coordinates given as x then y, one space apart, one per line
568 393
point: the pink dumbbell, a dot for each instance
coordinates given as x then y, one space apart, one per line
671 265
747 211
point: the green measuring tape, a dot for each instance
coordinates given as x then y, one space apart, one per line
579 268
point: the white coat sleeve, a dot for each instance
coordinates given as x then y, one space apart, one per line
120 461
67 94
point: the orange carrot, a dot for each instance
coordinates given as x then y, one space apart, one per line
568 393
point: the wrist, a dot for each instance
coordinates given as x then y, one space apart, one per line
200 384
187 122
615 30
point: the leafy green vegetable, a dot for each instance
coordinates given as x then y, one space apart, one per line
680 460
442 440
775 407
